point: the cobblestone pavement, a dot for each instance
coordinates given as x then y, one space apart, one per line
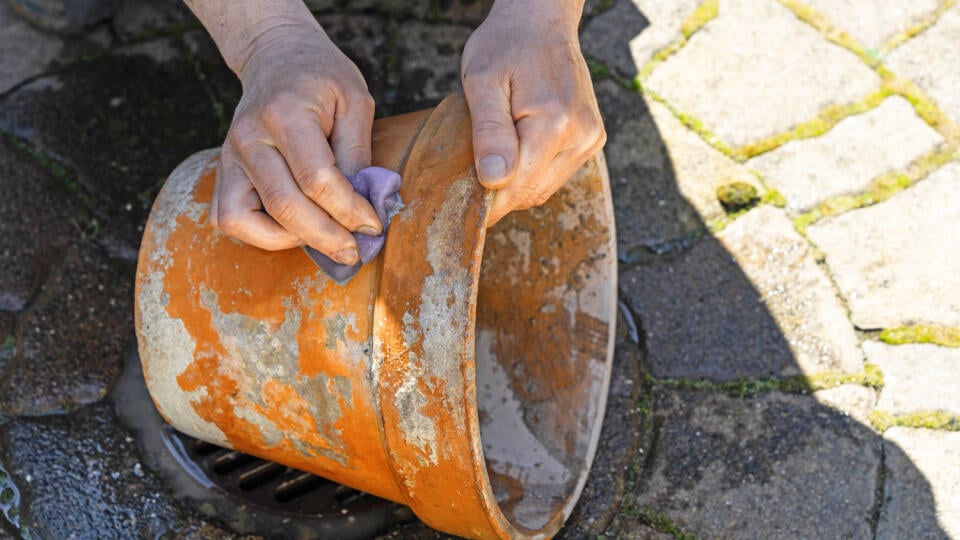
787 184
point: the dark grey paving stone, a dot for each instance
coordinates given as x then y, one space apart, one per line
703 319
365 40
38 216
607 37
69 343
429 63
79 476
120 123
774 466
652 213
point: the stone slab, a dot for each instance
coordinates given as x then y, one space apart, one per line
751 303
73 334
930 60
429 66
850 399
652 214
917 377
38 216
699 168
847 158
773 466
364 39
26 51
756 70
701 317
921 496
897 263
120 123
81 473
874 22
627 36
781 266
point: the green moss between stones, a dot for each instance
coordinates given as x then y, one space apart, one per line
656 520
705 12
912 31
934 334
830 31
871 377
882 420
694 124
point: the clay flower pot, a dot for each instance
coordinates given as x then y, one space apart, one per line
464 372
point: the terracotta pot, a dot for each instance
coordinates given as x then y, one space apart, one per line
463 373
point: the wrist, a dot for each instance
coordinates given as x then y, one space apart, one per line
555 16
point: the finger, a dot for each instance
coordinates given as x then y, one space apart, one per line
284 202
310 159
236 211
541 179
352 131
495 141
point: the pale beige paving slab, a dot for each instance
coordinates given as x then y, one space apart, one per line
628 35
781 266
922 484
850 399
699 168
757 70
932 60
917 377
848 157
897 263
874 22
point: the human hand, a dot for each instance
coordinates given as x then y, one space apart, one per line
305 119
535 116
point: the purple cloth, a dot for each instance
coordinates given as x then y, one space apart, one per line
381 187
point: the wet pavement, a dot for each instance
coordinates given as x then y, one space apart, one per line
787 369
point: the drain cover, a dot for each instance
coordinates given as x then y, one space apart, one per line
246 493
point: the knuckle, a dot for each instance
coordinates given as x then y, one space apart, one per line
229 223
243 133
279 110
316 184
279 206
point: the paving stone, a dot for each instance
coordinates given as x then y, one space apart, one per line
80 473
781 266
850 399
702 318
627 36
73 334
774 466
698 167
922 490
120 123
652 214
220 80
874 22
429 67
930 60
26 51
917 377
38 216
136 19
898 262
848 157
363 38
756 70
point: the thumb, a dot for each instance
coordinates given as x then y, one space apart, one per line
495 142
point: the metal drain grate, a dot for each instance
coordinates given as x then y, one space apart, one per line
247 494
271 485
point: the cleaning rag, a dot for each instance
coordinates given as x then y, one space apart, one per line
381 187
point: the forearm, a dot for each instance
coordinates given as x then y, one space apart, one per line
242 27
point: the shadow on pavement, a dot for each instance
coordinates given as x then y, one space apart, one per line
95 138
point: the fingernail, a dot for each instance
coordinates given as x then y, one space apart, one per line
492 167
347 256
368 230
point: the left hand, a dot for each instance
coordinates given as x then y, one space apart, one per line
534 113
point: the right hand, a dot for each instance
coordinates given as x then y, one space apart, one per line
305 119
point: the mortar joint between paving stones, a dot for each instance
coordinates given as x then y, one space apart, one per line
934 420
